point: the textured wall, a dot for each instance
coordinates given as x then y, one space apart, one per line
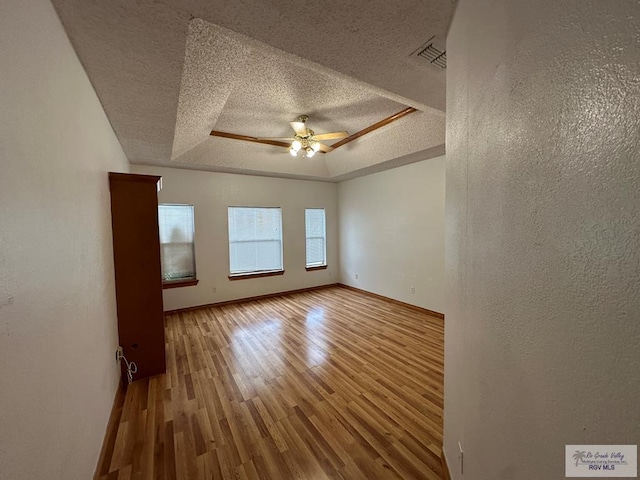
392 233
211 193
57 298
543 233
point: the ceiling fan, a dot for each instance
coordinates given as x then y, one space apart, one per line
304 139
308 142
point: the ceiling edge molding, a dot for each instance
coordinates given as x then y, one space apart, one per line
237 171
432 152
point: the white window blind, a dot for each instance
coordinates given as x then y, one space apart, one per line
255 239
176 242
316 237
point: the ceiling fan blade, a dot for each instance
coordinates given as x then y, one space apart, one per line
280 139
325 148
331 136
375 126
246 138
299 127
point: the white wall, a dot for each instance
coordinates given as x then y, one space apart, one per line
211 193
392 233
57 297
543 218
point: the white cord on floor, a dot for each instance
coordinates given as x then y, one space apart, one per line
131 368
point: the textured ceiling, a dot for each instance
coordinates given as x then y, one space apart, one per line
169 72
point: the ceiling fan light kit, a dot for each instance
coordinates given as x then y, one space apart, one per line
304 144
304 139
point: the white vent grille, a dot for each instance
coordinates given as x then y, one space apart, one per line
432 53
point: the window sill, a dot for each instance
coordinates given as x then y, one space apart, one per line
243 276
187 282
318 267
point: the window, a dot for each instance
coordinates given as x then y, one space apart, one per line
255 241
316 238
177 251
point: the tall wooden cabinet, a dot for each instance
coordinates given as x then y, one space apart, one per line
136 254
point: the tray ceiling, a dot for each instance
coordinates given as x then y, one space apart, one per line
167 79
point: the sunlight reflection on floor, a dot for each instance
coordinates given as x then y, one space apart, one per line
316 353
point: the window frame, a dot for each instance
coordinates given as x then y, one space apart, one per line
185 281
255 273
315 266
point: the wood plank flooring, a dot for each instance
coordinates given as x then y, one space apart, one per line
325 384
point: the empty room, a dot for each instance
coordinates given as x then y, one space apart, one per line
358 240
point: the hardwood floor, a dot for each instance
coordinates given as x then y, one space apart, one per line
329 383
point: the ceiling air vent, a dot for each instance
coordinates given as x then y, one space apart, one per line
433 52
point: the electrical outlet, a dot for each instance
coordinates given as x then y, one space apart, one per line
356 276
119 353
461 457
413 289
213 290
329 271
